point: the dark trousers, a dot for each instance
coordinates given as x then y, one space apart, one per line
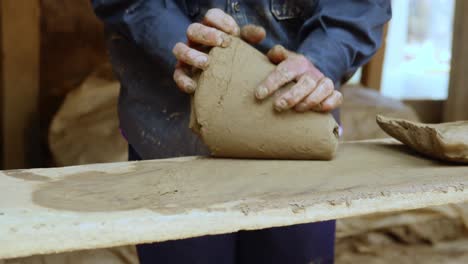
306 243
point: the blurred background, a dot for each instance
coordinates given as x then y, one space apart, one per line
58 92
419 49
58 107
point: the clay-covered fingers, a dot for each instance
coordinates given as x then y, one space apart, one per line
312 91
206 35
315 100
278 54
305 86
190 56
182 79
253 34
218 19
333 101
285 72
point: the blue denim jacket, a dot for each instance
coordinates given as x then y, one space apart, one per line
338 36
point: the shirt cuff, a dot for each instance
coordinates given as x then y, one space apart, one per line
326 54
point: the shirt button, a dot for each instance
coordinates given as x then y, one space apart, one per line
236 6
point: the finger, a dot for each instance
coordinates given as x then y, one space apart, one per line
305 86
197 46
202 48
209 36
314 100
279 93
253 34
278 54
217 18
285 72
333 101
190 56
182 79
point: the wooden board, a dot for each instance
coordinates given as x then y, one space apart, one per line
96 206
19 82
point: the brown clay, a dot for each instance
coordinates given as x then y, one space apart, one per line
446 141
232 123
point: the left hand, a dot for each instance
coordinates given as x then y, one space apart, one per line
214 31
313 91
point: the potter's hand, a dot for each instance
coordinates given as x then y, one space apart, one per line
214 31
313 90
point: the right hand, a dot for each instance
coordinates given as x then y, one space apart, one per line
214 31
313 90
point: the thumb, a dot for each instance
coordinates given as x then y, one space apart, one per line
253 34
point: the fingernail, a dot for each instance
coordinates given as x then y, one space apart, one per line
261 92
225 41
190 87
281 105
301 107
236 31
203 61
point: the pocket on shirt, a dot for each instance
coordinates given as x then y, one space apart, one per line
289 9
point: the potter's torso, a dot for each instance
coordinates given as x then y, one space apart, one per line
154 114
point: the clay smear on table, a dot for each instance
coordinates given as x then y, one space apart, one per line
172 187
446 141
232 123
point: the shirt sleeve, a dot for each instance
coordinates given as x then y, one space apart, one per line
342 35
154 25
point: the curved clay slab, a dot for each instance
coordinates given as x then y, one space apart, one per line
446 141
232 123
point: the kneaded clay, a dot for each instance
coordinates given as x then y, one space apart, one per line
446 141
232 123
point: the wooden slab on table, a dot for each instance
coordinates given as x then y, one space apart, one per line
95 206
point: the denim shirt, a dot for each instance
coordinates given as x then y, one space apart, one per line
338 36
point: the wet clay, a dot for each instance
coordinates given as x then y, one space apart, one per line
446 141
232 123
173 187
25 175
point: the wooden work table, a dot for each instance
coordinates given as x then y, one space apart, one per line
103 205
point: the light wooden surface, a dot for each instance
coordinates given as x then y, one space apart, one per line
97 206
456 105
20 48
